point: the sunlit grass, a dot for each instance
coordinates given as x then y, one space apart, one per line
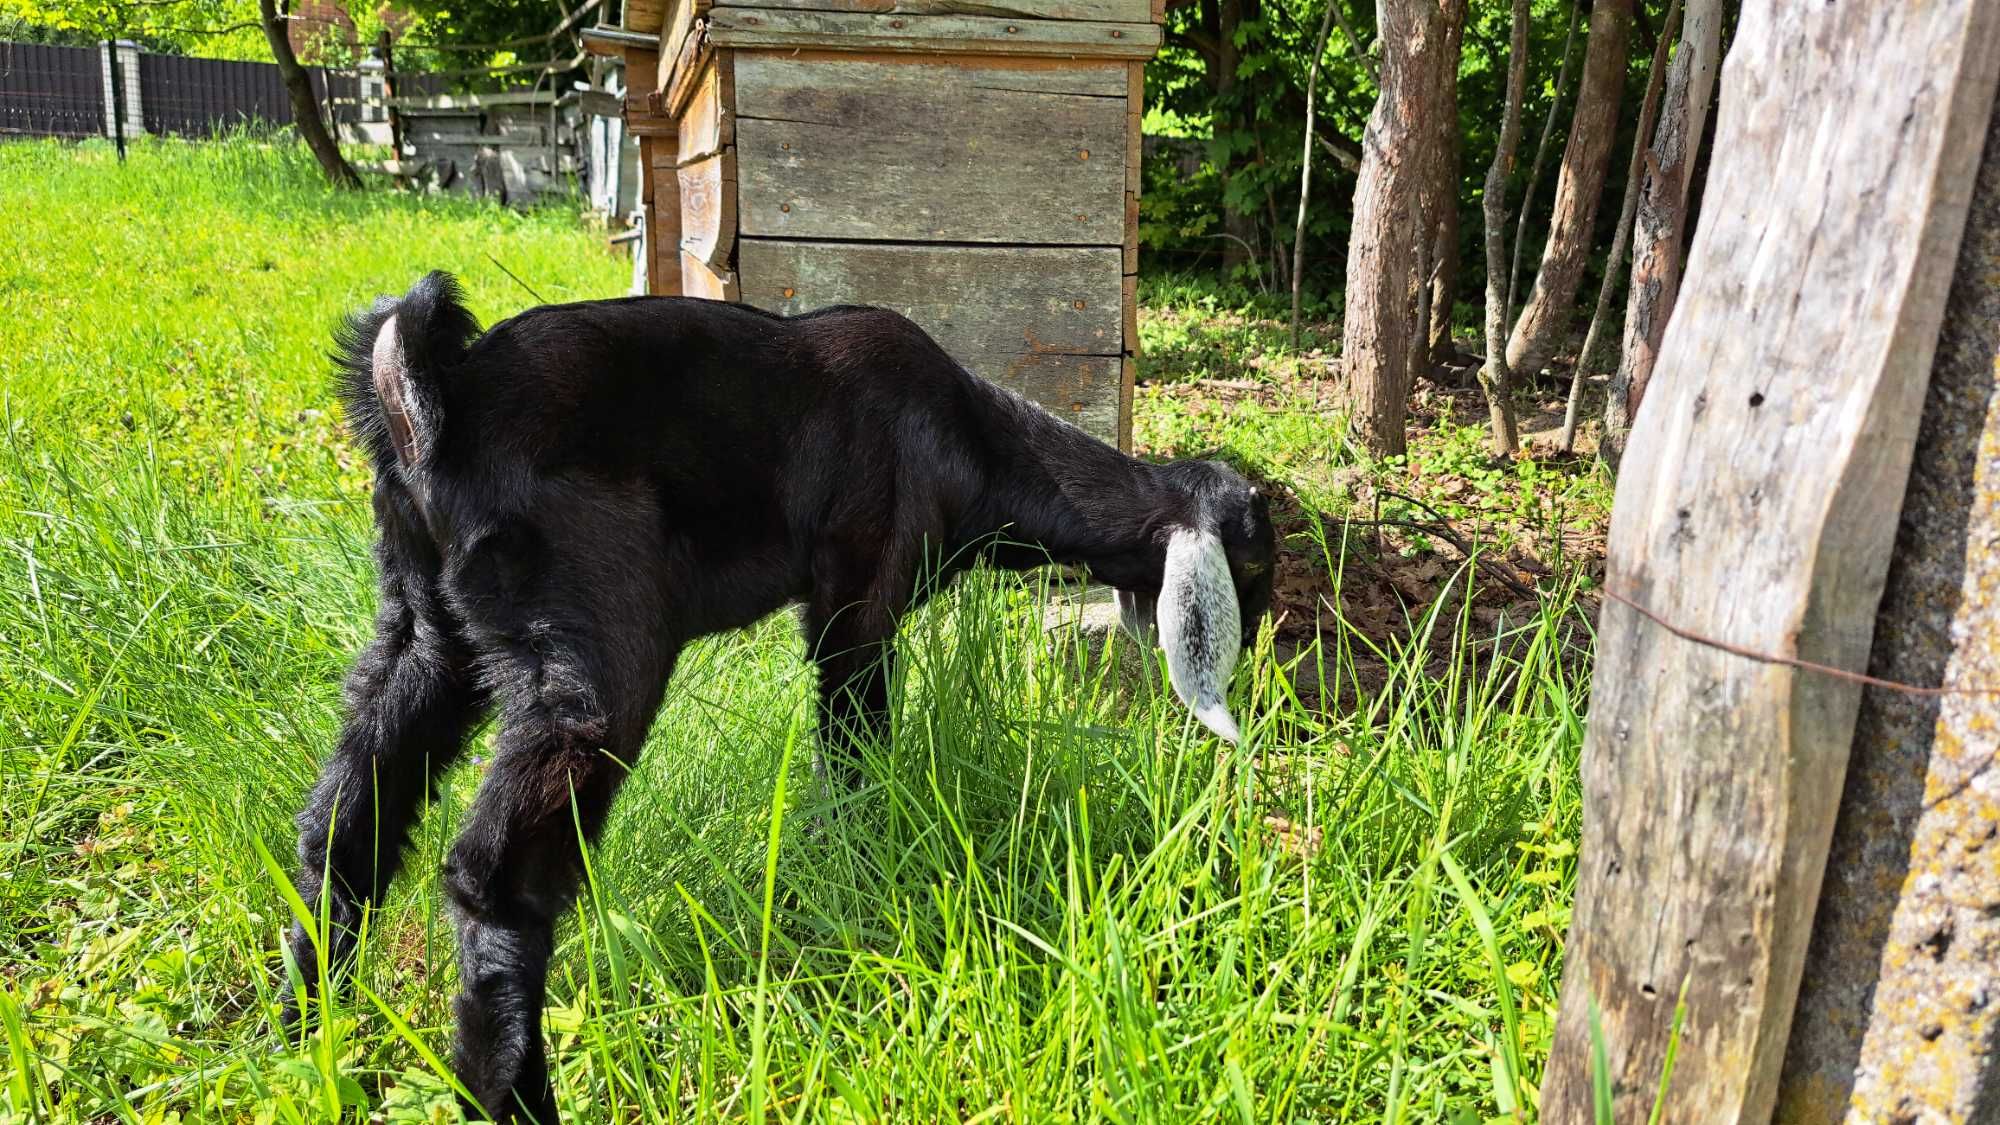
1056 901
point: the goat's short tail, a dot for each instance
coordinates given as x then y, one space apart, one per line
392 359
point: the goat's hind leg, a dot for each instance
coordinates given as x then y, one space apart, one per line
579 654
412 699
563 752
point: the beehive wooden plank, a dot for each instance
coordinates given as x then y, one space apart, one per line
1043 320
1127 385
1135 112
699 280
681 17
1108 11
708 208
941 152
644 15
1080 389
958 35
642 68
1131 232
706 126
1129 315
663 215
678 74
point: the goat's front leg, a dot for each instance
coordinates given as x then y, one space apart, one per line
855 662
412 699
850 624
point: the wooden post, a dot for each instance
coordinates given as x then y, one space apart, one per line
1900 1006
385 47
1754 510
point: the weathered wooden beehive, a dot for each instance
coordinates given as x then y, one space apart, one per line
977 172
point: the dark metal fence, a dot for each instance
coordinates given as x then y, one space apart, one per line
51 91
200 97
59 92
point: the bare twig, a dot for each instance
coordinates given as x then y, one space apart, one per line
1443 529
517 279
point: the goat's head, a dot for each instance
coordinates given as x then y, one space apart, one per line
1215 586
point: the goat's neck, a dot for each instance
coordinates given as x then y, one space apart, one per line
1069 498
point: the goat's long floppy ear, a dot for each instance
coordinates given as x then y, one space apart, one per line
1199 628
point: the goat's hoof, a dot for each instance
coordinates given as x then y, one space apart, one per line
517 1107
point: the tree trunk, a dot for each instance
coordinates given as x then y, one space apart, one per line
1394 213
1586 360
305 107
1547 313
1541 156
1657 246
1444 255
1239 229
1493 373
1306 162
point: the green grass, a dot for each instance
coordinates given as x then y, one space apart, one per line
1058 901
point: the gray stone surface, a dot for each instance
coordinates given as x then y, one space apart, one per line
1896 1020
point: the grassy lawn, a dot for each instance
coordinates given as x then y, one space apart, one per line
1058 901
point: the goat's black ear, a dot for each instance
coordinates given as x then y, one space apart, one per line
405 408
1199 628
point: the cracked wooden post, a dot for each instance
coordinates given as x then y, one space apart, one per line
1756 508
1900 1007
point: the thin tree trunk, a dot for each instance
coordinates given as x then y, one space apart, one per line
1239 227
1306 163
305 107
1550 304
1394 216
1493 375
1634 173
1541 155
1444 253
1658 246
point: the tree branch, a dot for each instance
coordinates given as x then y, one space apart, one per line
1196 40
1354 41
1348 158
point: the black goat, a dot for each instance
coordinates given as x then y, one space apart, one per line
568 499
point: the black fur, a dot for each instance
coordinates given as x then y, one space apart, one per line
610 480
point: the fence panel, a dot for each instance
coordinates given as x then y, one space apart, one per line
51 91
59 92
199 97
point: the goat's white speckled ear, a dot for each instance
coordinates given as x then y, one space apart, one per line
1199 627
